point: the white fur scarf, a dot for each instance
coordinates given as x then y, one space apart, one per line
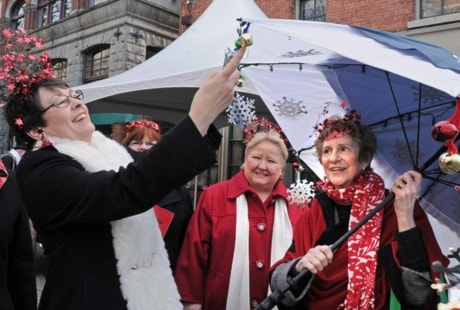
142 261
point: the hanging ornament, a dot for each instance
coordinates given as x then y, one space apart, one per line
241 110
245 39
301 192
449 163
447 132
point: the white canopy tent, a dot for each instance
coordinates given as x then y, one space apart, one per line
163 86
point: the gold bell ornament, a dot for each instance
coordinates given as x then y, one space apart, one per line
246 39
449 163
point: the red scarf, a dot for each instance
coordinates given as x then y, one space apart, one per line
363 245
3 174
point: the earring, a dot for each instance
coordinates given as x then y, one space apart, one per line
40 132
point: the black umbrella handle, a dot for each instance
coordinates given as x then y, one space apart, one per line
274 298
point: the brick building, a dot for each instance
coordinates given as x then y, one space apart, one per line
434 21
94 39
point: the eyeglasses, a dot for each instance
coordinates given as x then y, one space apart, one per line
138 144
64 101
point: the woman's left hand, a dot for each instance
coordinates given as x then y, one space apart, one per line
406 188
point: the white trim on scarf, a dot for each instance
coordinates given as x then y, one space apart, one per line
142 261
238 293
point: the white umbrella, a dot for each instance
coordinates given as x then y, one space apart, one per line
400 86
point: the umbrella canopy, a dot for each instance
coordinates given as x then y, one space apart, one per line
163 86
305 71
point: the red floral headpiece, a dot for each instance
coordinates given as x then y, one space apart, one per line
20 66
141 124
257 125
351 116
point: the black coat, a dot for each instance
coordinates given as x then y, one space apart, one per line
179 202
9 161
71 209
17 278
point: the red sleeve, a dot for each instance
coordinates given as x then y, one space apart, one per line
192 262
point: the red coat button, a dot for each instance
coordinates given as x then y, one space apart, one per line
259 264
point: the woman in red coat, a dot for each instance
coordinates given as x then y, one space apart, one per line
240 227
392 251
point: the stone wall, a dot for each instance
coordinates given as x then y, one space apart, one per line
128 26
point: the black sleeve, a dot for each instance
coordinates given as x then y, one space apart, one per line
9 161
21 273
58 190
411 250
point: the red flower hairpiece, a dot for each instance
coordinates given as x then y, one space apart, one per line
141 124
20 66
257 125
351 116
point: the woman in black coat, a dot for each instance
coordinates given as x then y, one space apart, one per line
17 278
91 205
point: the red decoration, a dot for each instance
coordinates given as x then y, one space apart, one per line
257 125
448 130
20 66
141 124
18 121
350 116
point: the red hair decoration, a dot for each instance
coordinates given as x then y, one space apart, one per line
141 124
257 125
350 116
20 66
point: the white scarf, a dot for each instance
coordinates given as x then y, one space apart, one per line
142 261
238 293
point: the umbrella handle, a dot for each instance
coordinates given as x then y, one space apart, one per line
274 298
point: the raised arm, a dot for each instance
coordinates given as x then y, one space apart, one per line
215 94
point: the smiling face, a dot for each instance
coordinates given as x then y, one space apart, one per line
71 122
340 160
263 166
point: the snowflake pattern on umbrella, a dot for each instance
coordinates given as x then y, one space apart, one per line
301 53
241 110
290 107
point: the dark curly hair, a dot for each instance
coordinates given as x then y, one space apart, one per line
361 134
27 108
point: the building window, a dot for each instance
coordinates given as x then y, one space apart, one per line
430 8
152 51
95 2
314 10
60 68
50 11
17 14
97 63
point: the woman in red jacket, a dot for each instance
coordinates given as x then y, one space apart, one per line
240 227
